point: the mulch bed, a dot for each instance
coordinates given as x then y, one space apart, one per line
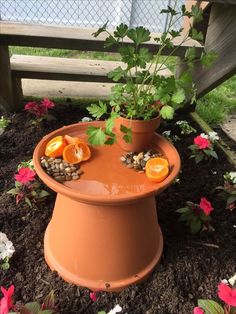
188 269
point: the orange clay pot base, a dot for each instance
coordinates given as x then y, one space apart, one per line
104 232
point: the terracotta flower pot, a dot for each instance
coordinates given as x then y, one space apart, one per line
104 232
142 133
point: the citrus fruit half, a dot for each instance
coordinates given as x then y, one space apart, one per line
157 169
55 147
75 153
73 140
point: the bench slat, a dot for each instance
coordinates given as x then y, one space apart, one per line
74 38
24 66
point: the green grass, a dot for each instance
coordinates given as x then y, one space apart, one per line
219 103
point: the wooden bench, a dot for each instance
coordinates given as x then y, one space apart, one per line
219 36
31 35
67 69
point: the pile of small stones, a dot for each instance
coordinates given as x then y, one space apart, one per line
138 161
60 170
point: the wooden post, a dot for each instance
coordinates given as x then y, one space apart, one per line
6 96
221 39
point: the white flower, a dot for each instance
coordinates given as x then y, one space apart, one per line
116 309
203 135
6 247
166 133
224 281
181 122
213 136
86 119
232 280
232 176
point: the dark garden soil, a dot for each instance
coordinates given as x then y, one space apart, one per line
191 265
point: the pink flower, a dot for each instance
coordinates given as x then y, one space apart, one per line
205 205
6 302
198 310
30 105
201 142
227 294
25 175
93 296
46 103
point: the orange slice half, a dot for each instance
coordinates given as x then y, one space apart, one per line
157 169
73 140
55 147
75 153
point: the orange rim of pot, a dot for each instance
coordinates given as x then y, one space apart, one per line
75 153
157 169
55 147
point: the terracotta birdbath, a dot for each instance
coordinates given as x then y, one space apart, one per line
104 232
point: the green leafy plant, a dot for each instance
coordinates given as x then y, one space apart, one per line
197 216
170 137
203 147
4 122
27 187
227 294
142 92
228 190
185 127
6 304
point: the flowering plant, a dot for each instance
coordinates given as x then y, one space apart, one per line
3 124
229 189
226 294
6 250
185 127
170 137
40 110
203 147
6 303
27 187
197 216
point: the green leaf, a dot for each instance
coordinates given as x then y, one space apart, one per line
43 193
139 35
124 129
210 307
110 141
121 31
34 307
46 312
213 154
96 136
12 192
27 200
127 138
116 74
190 54
194 34
195 225
231 199
197 14
207 59
199 157
110 41
182 210
97 110
179 96
128 55
143 57
167 112
100 30
109 124
174 33
49 301
169 10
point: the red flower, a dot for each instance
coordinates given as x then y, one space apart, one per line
93 296
227 294
46 103
205 205
201 142
198 310
6 302
25 175
36 109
